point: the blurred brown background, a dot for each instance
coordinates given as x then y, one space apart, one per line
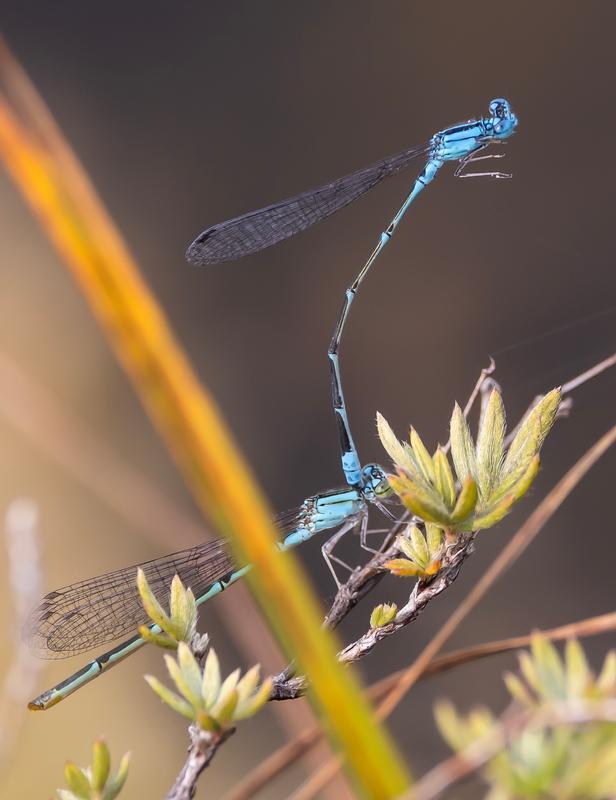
188 113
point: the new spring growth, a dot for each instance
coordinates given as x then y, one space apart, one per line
423 552
383 615
94 782
568 762
490 478
204 698
179 625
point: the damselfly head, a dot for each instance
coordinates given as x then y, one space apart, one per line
503 119
375 483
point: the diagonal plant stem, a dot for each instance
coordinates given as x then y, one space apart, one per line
47 172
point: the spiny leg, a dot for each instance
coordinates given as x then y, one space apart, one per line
363 536
328 547
472 157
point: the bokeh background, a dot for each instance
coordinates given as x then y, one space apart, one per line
188 113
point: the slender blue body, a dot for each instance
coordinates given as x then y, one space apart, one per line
60 624
458 143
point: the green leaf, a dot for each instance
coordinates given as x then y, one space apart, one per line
607 678
101 763
443 478
462 447
577 671
413 469
114 788
190 673
496 511
248 683
434 538
402 567
152 607
518 690
255 703
420 546
405 546
170 698
178 607
210 686
181 682
491 515
383 614
228 685
391 444
467 500
528 669
533 431
77 781
423 458
426 505
550 669
159 639
223 708
191 613
527 479
490 444
450 725
206 721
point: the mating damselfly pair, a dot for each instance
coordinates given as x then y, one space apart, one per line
98 610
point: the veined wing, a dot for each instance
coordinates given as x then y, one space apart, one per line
97 610
257 230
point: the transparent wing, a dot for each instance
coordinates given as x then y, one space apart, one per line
256 230
97 610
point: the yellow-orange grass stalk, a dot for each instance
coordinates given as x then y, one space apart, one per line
49 176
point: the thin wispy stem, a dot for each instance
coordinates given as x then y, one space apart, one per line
25 581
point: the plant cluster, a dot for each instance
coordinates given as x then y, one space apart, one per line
549 758
94 782
489 477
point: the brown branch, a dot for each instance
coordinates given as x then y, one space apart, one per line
287 686
204 744
423 592
202 750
